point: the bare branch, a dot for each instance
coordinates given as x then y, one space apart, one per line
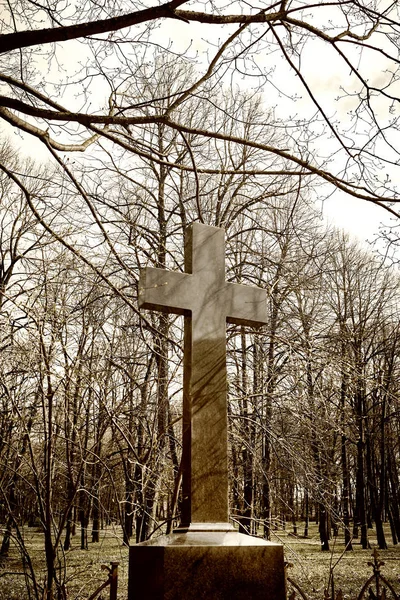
24 39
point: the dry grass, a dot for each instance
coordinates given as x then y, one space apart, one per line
84 573
310 569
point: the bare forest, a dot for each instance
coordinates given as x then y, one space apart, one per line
121 124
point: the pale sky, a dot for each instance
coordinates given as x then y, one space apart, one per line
359 218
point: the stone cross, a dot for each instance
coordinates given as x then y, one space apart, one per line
207 301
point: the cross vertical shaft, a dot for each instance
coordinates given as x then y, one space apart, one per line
205 426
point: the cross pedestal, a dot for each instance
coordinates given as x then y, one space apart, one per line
205 557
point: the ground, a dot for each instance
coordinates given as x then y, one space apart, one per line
84 567
310 567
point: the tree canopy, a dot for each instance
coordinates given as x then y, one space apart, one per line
330 69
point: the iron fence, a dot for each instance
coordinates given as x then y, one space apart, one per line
112 582
377 587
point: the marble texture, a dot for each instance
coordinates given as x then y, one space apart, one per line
208 303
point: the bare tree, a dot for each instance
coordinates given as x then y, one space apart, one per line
251 45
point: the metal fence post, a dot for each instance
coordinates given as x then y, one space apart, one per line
114 580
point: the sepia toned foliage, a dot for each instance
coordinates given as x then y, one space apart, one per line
149 118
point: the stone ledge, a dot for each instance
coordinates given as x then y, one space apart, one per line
206 566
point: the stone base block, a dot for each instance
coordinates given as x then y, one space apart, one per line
206 565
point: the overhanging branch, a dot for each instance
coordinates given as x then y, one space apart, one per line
24 39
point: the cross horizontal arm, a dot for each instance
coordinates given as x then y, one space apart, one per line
246 305
166 291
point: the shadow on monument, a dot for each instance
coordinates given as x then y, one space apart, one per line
205 558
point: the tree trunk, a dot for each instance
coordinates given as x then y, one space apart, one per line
5 545
323 528
378 494
394 501
96 520
68 530
83 515
306 513
247 454
344 459
392 528
275 304
361 513
361 510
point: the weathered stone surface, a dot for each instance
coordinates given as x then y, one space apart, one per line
205 558
209 566
208 302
